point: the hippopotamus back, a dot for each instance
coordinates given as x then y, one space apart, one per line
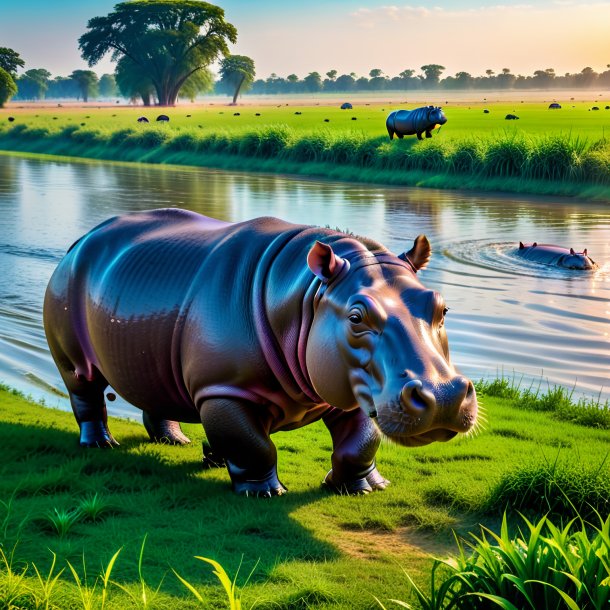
556 256
417 121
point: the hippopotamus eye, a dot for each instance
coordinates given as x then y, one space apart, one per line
355 317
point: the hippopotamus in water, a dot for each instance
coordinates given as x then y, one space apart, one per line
411 122
252 328
557 256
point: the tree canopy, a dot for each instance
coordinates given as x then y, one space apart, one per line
33 84
168 40
10 61
237 74
8 88
87 83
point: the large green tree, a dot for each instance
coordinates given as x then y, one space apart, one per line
236 74
132 83
432 74
33 84
169 40
8 88
107 85
87 83
10 61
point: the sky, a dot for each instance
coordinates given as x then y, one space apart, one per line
302 36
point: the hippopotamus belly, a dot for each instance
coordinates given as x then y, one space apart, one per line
252 328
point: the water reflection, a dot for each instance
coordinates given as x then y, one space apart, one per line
506 314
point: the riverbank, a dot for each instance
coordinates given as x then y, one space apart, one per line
155 505
545 154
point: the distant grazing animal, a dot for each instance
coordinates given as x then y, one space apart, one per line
257 114
412 122
554 106
163 118
11 119
298 112
556 256
188 116
595 108
607 108
354 118
237 114
143 119
327 120
511 117
346 106
485 111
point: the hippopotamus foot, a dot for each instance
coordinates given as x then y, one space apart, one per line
261 487
239 431
164 430
355 442
365 484
96 434
428 135
419 136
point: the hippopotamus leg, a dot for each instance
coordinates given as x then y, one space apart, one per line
428 134
355 442
391 133
419 135
164 430
89 407
238 431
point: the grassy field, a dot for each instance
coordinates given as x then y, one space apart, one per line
560 152
308 549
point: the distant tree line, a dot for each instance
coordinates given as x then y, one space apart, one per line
430 78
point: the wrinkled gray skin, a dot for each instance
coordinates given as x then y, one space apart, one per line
418 121
556 256
253 328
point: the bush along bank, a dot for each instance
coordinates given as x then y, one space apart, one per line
555 164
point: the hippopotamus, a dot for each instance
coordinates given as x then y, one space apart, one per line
252 328
557 256
411 122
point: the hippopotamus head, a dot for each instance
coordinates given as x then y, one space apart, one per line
436 115
578 260
378 341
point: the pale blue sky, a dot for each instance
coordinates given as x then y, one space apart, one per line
353 35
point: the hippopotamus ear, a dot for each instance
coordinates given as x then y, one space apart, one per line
521 246
572 251
585 252
323 262
419 255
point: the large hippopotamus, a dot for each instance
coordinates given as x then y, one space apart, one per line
252 328
556 256
411 122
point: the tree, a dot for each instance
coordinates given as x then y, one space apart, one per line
332 74
201 81
87 83
132 83
33 84
10 61
432 74
169 40
107 85
8 88
375 73
313 82
345 82
237 74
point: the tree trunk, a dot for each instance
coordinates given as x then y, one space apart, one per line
241 82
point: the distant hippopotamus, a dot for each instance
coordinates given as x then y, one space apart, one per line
252 328
511 117
411 122
557 256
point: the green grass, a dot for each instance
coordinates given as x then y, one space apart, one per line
547 152
308 549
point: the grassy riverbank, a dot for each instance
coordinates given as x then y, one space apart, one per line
308 549
545 152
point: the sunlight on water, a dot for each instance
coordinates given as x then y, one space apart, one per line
506 314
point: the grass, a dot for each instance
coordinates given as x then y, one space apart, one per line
146 512
559 152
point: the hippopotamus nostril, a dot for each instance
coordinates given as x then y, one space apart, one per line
414 397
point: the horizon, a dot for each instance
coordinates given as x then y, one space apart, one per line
353 36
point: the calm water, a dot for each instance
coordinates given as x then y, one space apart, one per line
505 314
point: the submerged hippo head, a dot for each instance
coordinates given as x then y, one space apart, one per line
578 260
378 341
436 115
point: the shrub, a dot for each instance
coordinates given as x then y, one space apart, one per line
466 158
506 157
555 158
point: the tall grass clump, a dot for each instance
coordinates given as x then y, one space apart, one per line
507 156
468 157
555 157
542 566
558 489
311 147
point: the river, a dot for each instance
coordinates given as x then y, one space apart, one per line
534 323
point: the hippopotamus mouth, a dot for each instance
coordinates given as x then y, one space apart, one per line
414 431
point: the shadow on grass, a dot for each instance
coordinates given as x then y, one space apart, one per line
147 489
